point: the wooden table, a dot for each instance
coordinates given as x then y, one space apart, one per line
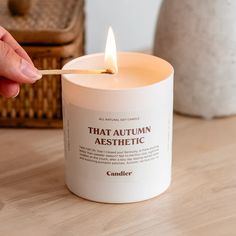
201 200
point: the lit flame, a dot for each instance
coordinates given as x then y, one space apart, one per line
110 53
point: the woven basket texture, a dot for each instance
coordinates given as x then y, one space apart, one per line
52 33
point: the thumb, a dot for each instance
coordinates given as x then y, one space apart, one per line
16 68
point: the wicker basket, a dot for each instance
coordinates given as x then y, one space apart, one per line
52 33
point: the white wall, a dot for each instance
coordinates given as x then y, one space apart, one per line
133 22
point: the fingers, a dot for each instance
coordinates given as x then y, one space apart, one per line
9 88
7 38
22 53
16 68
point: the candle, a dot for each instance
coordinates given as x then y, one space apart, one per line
118 128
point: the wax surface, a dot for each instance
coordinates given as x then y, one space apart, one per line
135 70
130 77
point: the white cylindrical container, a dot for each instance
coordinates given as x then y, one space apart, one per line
118 128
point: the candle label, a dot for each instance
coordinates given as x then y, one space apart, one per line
117 145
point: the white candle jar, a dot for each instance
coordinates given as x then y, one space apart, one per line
118 129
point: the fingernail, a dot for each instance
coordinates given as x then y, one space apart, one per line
30 71
18 91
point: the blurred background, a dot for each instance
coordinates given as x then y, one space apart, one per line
133 23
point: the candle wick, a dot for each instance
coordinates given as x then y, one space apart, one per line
108 71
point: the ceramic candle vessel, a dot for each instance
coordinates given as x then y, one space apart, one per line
118 128
199 39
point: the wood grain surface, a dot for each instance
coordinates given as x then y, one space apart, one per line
201 200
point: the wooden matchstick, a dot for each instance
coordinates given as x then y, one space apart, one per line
75 71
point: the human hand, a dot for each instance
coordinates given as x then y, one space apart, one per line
16 66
